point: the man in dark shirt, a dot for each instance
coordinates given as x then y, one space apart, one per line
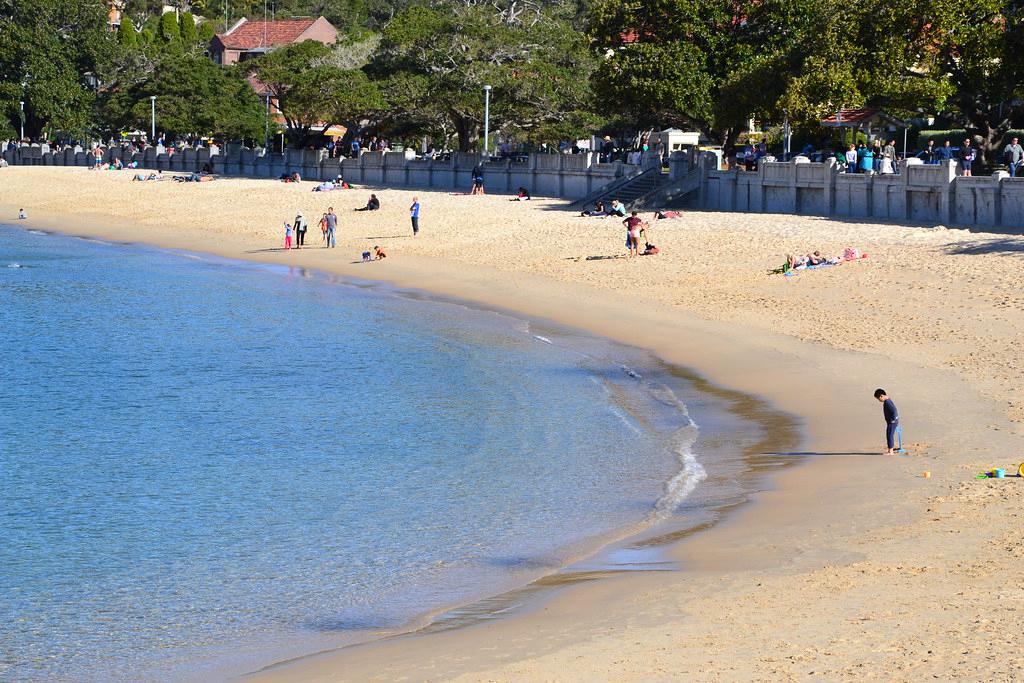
892 419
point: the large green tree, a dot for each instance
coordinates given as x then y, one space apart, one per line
435 60
194 95
313 90
48 50
666 62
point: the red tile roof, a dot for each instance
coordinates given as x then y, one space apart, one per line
251 34
851 116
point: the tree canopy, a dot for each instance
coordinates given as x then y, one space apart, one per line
436 60
47 50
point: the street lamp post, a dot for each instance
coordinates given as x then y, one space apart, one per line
266 129
152 118
487 119
22 103
787 135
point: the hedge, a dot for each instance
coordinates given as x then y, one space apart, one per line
956 137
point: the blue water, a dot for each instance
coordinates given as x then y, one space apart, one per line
207 465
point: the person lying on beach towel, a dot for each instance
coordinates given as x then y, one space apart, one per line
664 215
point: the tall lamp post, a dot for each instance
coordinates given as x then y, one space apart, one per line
266 128
152 118
22 103
487 120
787 136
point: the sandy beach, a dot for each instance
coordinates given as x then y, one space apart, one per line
851 567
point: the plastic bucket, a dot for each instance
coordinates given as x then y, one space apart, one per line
1000 473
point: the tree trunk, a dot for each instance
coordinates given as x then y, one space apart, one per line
465 128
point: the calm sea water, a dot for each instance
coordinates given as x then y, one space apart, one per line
207 465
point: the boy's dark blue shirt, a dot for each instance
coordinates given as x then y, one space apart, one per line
890 412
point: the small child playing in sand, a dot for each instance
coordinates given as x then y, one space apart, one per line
22 215
287 235
379 252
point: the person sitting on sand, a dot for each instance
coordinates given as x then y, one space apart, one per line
650 250
522 195
618 209
22 215
341 184
598 211
372 204
379 253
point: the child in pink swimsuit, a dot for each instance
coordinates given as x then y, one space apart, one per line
287 235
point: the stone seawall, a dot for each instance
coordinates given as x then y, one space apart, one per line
930 194
568 176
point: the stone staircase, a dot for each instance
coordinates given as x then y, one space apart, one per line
670 194
626 190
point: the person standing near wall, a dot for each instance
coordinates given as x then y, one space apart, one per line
967 156
851 159
944 153
927 155
889 152
414 214
1014 156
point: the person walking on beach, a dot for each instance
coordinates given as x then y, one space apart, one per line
1014 156
287 235
300 230
332 226
892 419
414 214
323 230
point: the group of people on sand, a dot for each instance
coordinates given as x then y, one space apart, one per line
617 208
338 183
295 231
816 259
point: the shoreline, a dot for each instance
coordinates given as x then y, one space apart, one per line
813 524
591 560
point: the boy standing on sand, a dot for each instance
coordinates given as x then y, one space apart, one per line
414 213
892 419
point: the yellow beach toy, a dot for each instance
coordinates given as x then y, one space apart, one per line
1020 470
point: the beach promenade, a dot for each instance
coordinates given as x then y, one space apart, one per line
852 567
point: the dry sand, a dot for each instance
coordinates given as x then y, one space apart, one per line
853 567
